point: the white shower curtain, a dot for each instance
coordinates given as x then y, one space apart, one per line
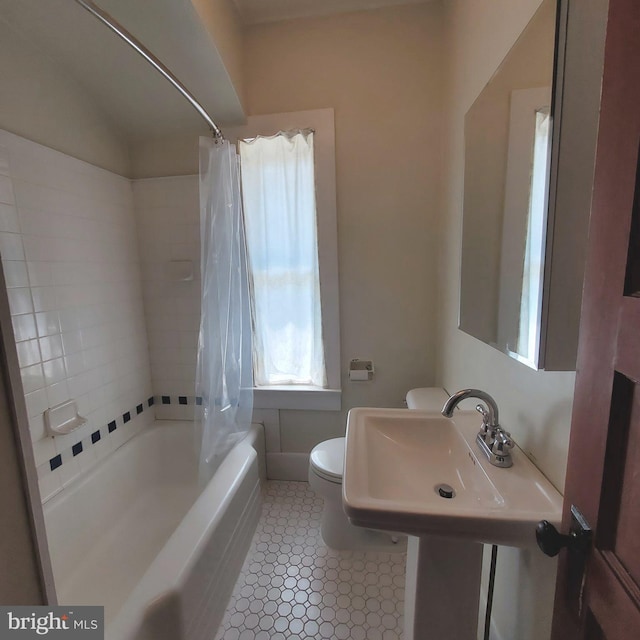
224 382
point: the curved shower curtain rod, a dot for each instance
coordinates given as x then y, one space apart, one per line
133 42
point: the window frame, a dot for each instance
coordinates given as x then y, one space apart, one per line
322 122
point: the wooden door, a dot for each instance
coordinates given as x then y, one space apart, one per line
603 477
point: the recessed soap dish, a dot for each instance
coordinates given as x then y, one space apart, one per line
63 418
180 270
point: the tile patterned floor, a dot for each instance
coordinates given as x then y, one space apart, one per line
293 587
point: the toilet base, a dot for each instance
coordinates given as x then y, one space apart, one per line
338 533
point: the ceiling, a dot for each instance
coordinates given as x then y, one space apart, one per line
114 76
258 11
123 85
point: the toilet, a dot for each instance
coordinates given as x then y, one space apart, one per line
326 465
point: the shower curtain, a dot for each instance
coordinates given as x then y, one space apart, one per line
224 381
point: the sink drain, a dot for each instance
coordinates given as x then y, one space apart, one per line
445 490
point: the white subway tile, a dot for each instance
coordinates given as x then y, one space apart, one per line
6 190
87 459
57 393
44 298
11 246
32 378
40 274
75 364
96 398
72 342
20 301
103 447
84 407
43 451
35 197
69 320
49 482
9 218
39 248
28 353
78 385
54 371
36 402
69 471
24 327
15 273
4 161
48 323
51 347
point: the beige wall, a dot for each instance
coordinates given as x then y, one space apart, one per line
171 155
40 102
381 72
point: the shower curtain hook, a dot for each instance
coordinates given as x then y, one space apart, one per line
217 135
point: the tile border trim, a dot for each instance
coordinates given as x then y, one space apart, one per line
96 436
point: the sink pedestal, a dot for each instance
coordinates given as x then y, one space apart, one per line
442 592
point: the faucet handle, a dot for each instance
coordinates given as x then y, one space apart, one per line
502 443
481 409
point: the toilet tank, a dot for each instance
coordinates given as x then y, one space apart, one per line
427 398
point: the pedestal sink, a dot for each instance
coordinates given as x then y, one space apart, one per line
419 473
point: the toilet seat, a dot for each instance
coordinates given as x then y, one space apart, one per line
327 460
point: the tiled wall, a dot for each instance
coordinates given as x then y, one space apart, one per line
168 219
69 249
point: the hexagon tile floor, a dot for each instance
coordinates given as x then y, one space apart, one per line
293 587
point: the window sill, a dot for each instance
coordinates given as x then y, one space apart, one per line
297 397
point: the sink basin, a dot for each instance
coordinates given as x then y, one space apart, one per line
396 460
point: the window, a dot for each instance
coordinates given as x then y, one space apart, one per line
298 394
278 186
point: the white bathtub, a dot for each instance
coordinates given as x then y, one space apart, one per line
138 536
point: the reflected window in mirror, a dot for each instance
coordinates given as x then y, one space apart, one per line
533 267
507 162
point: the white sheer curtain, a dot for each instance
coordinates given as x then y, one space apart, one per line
278 187
224 380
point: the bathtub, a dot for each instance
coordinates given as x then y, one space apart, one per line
140 537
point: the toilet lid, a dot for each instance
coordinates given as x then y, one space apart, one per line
327 459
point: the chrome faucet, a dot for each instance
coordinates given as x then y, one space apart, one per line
493 440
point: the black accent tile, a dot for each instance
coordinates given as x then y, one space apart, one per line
77 448
182 399
95 436
126 417
55 462
112 426
198 401
166 399
151 401
139 409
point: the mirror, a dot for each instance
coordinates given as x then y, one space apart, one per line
507 158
